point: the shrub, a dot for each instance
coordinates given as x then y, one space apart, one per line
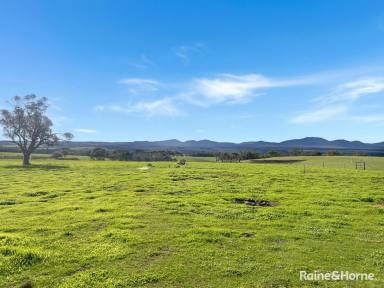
57 155
98 154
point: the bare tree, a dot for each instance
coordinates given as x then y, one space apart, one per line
28 127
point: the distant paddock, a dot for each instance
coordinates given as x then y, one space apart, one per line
276 161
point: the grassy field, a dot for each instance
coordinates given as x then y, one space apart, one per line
14 155
110 224
347 162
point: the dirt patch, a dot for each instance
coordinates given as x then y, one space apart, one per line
27 284
379 205
140 190
252 202
248 235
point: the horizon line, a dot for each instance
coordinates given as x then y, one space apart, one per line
217 141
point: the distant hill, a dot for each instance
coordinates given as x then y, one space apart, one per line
195 146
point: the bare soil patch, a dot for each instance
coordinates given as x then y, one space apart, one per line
248 235
380 205
252 202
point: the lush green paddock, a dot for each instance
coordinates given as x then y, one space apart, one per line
36 156
15 155
110 224
344 162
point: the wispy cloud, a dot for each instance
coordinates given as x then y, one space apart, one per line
232 89
352 91
113 108
340 100
161 107
85 131
229 87
138 81
321 114
215 90
185 52
139 85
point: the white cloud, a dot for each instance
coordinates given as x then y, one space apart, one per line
161 107
321 114
114 108
341 100
352 91
138 81
236 89
363 87
230 88
219 89
140 85
86 131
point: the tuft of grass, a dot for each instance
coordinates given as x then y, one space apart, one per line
8 202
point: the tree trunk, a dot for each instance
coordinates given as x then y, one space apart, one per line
26 157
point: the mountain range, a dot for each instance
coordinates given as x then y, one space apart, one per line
196 146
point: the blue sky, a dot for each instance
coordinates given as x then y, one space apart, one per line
220 70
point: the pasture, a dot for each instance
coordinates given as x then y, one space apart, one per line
345 162
110 224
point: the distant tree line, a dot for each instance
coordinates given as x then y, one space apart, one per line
301 152
99 153
235 156
137 155
244 155
248 155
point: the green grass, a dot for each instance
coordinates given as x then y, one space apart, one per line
110 224
15 155
347 162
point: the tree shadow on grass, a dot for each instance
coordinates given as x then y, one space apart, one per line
36 166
